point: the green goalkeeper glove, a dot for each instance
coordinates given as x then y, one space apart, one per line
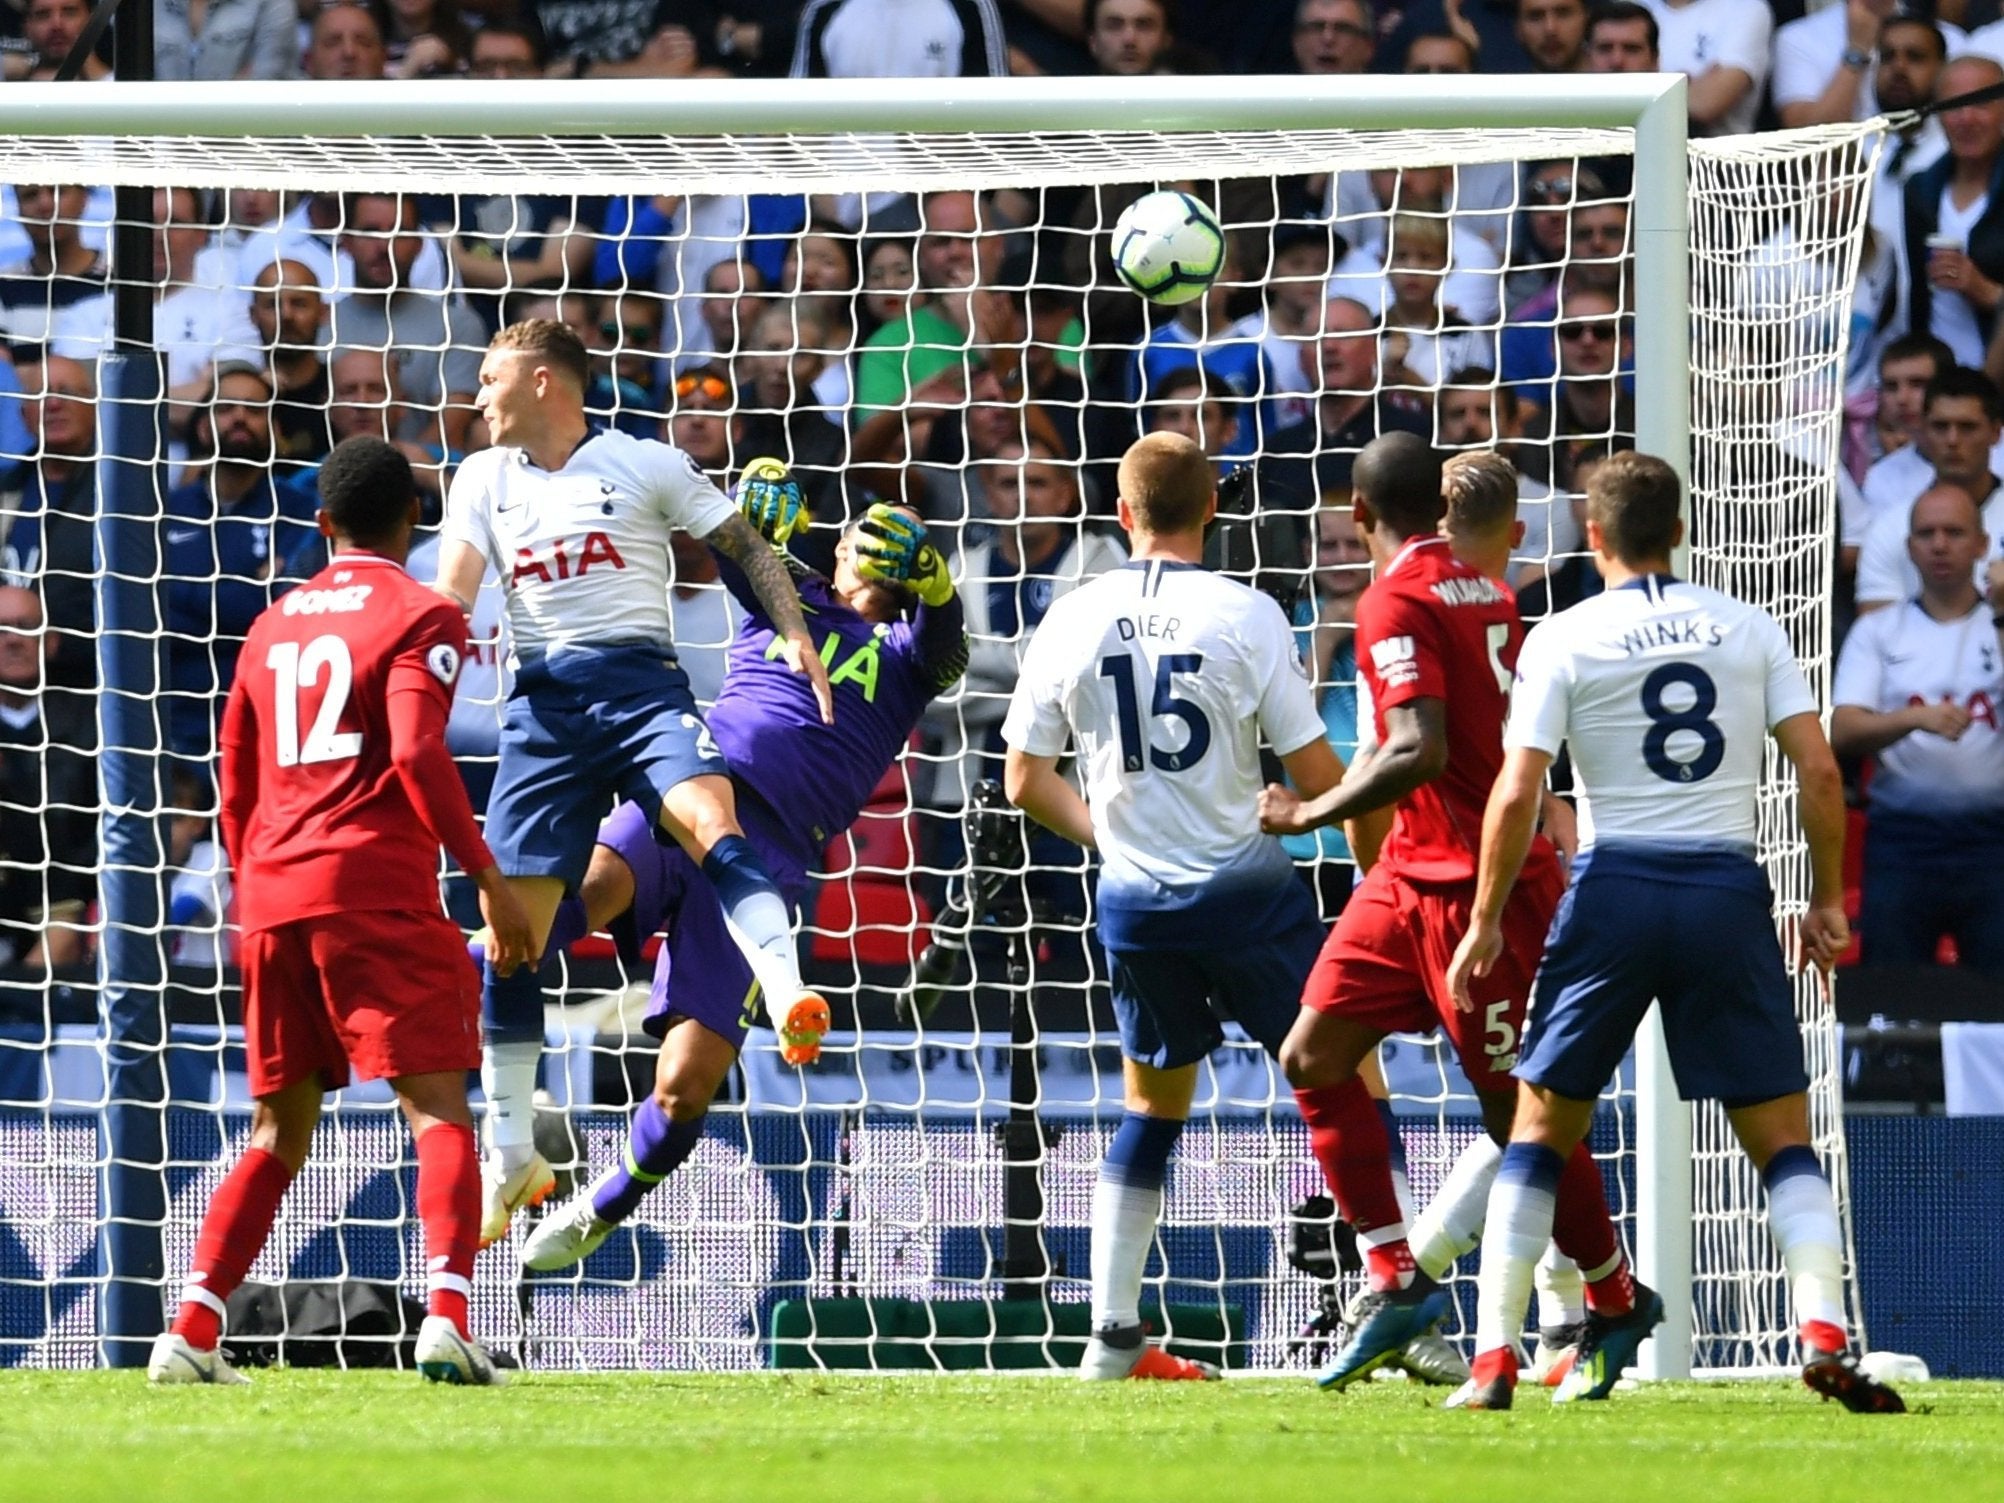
770 500
892 548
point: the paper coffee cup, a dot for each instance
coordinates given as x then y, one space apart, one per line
1938 241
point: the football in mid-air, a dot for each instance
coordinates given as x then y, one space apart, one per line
1168 247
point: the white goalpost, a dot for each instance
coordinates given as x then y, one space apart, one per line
882 1198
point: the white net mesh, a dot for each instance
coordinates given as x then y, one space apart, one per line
976 358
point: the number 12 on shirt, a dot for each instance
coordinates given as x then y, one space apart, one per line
1119 667
298 667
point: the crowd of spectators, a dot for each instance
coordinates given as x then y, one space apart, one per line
972 354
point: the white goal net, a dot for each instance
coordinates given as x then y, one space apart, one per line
906 313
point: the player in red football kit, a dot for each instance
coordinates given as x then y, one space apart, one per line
337 791
1437 642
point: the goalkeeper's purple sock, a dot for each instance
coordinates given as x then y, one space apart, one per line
568 927
656 1144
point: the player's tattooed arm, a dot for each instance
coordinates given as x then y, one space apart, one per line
764 570
1413 754
772 585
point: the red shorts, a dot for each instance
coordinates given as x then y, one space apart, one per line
1385 963
374 994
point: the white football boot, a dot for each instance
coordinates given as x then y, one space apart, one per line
502 1194
174 1361
569 1234
445 1356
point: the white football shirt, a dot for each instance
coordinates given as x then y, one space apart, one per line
1696 36
1666 692
583 551
1170 677
1902 656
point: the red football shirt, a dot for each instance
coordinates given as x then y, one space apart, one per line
1430 627
317 814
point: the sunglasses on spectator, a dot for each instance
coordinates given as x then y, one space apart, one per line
709 386
1605 333
1553 187
639 333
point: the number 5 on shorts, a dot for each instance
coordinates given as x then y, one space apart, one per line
1499 1035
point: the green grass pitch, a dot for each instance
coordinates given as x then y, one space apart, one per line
380 1437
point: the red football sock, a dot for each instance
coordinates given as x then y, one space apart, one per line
1821 1336
234 1230
448 1203
1584 1232
1348 1136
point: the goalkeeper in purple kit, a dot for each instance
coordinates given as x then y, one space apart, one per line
889 627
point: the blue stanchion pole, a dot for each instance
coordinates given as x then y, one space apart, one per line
132 966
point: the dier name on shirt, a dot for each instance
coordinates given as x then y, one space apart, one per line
1131 627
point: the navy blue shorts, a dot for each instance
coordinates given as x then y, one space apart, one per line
1693 929
584 729
1171 1003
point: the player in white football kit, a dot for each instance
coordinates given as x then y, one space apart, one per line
576 521
1665 692
1168 678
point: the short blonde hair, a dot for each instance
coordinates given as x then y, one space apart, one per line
549 341
1480 490
1166 481
1421 233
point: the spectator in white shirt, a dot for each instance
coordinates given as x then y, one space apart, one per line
1722 46
1823 63
1365 204
1918 689
191 323
1425 339
1290 323
1954 228
1965 421
1907 368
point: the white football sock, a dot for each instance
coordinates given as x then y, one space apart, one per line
1451 1224
763 931
1123 1229
1514 1237
1802 1214
1561 1290
508 1079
